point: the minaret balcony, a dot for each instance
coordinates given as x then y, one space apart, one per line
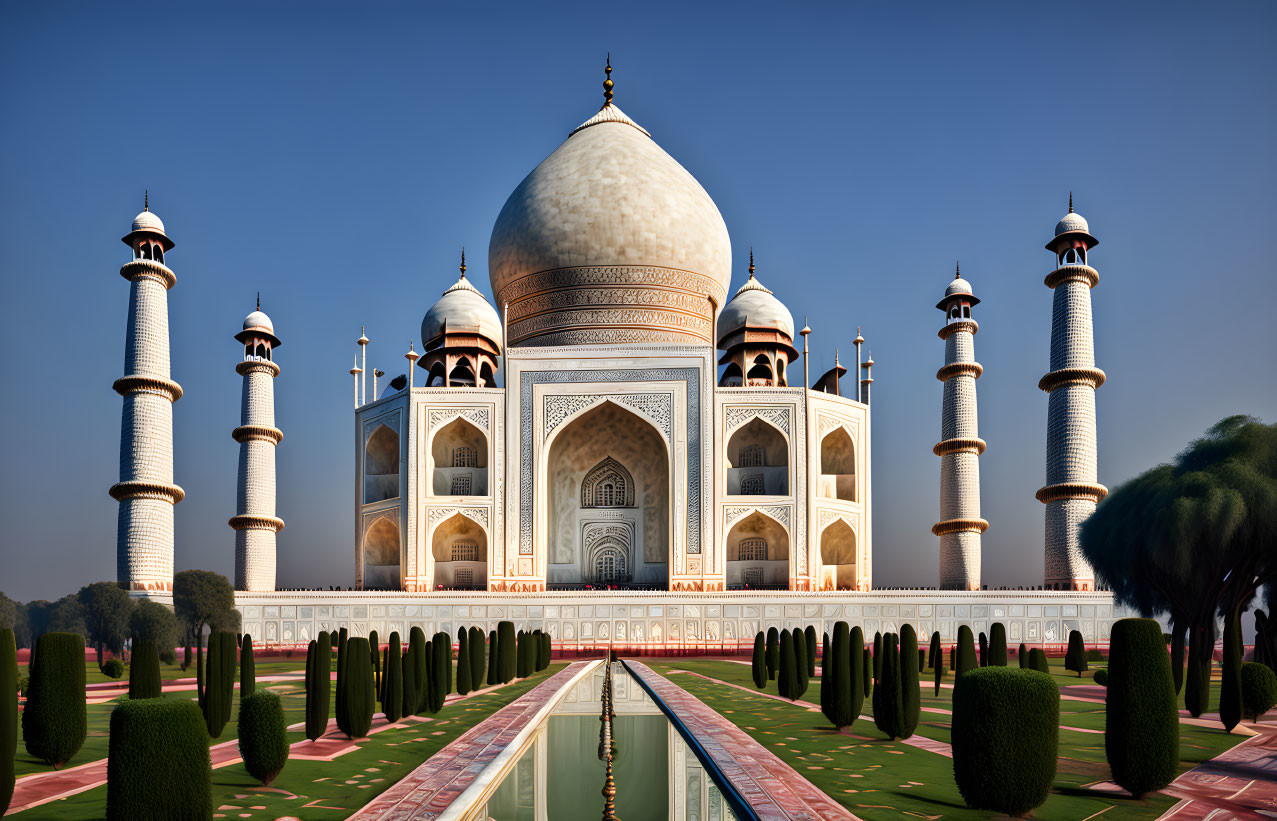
1094 377
139 268
1072 272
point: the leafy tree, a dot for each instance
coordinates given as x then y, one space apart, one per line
263 735
966 659
202 598
152 621
1141 732
773 652
8 613
758 665
67 615
1075 658
1259 690
998 645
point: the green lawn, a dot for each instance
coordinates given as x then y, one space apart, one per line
317 789
880 779
269 665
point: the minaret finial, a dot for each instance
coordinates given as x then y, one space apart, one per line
1070 202
146 199
463 262
259 300
607 83
957 269
751 262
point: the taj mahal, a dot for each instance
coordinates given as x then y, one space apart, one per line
625 444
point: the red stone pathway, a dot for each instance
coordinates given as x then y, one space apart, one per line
431 788
1239 783
773 789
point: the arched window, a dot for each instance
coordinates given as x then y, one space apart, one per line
159 253
760 372
731 377
465 552
381 465
966 311
462 374
465 457
610 566
608 484
751 456
753 550
752 485
837 466
436 377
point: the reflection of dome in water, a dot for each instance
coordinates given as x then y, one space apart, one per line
609 240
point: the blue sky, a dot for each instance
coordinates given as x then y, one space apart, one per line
336 157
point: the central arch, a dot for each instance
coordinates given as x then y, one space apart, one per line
608 505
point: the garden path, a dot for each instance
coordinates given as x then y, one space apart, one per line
1240 783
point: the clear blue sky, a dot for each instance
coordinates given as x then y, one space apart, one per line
335 157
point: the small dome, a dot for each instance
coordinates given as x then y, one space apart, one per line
259 321
754 306
147 221
958 286
461 309
1071 223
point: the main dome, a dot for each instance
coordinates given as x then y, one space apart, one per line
609 240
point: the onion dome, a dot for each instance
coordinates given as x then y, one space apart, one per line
148 223
1072 224
609 240
754 307
461 310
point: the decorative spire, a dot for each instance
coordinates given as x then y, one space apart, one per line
607 83
751 262
259 300
146 199
463 262
957 271
859 339
836 357
806 329
1070 202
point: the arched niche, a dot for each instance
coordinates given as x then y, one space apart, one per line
462 374
381 465
381 555
487 379
757 461
757 554
838 554
459 451
459 547
731 377
608 445
760 371
837 466
437 376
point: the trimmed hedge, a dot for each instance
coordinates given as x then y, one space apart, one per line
800 657
506 661
547 650
8 714
522 668
359 690
1005 732
773 652
319 661
998 645
263 735
758 665
1141 722
463 661
1037 661
144 671
1022 656
888 697
493 676
158 764
835 678
477 654
55 719
112 668
1075 658
787 675
810 635
392 680
1101 677
984 649
247 669
441 661
965 660
910 694
219 682
414 673
937 660
1259 690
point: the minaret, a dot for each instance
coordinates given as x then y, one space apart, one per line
1072 488
960 444
255 522
146 492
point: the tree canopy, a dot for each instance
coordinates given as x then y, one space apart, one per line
107 608
152 621
204 598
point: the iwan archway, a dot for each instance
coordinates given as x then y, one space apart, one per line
607 509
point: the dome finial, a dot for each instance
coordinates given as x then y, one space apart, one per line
751 262
259 300
1070 202
607 83
463 262
146 199
957 269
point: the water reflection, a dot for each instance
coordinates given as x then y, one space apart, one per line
559 776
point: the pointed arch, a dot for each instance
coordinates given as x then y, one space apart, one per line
760 371
462 374
837 466
437 376
757 460
838 551
731 377
381 554
459 451
608 484
381 465
459 546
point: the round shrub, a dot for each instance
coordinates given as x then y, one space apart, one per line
113 668
1141 722
1101 677
158 762
144 670
55 721
168 656
1094 654
263 735
1259 690
1006 725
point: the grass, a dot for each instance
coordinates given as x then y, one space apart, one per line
880 779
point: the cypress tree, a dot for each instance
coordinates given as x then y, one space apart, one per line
824 650
888 694
800 659
144 670
998 645
1230 693
1075 658
1141 722
937 661
910 695
1177 652
408 682
758 665
420 672
343 640
1037 661
55 718
773 652
428 679
247 669
199 669
463 661
374 649
447 668
984 649
219 681
318 685
966 659
953 657
439 671
810 635
866 672
547 648
392 681
9 712
835 678
263 735
494 675
922 661
787 676
1022 656
521 669
477 652
506 662
877 659
381 685
358 690
857 671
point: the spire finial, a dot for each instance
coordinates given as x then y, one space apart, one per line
835 357
1070 202
146 199
607 83
259 300
751 262
957 269
463 262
